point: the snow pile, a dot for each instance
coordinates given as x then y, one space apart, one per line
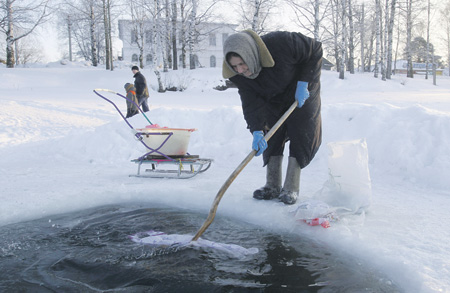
407 143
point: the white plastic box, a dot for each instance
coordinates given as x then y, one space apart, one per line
176 145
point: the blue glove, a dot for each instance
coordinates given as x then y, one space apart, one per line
259 142
301 93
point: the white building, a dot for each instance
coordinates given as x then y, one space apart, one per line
207 52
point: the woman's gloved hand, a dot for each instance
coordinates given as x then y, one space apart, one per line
259 142
301 93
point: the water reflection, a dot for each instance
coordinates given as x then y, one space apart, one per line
90 251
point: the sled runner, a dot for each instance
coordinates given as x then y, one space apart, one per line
167 149
180 167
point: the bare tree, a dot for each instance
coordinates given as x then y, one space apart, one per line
69 32
378 38
27 50
162 31
108 38
92 28
66 20
390 38
351 45
427 61
446 17
192 34
71 28
88 27
343 43
342 32
184 13
167 33
83 19
370 49
87 8
255 14
310 15
383 43
153 9
362 35
334 32
25 16
140 19
174 35
188 31
410 72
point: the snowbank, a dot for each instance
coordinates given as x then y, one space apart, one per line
63 148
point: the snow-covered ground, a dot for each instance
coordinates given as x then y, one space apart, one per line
62 149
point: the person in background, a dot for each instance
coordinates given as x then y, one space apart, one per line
141 88
271 72
132 102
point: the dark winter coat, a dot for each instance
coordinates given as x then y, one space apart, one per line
266 98
141 85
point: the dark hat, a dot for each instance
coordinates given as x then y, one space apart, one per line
135 68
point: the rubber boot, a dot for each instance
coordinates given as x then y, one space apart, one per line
272 188
291 187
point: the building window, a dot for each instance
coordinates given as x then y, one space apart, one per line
180 37
196 62
134 58
149 59
212 61
224 37
148 37
133 36
212 40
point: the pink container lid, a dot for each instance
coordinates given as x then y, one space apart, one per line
156 126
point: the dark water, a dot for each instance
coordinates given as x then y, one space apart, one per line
90 251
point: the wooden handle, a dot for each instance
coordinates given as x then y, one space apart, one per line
215 204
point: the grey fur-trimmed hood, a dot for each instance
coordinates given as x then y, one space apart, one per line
265 57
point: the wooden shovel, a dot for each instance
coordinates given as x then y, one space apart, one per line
212 211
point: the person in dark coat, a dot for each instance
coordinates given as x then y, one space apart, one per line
271 72
141 88
132 102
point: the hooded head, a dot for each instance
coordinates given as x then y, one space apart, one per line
245 46
251 48
129 87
